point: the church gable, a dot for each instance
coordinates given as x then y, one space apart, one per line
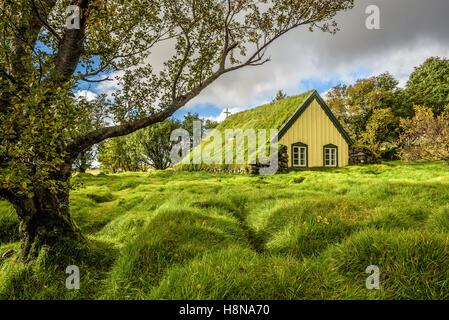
322 139
314 96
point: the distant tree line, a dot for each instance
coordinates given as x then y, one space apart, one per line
147 148
408 123
411 123
92 116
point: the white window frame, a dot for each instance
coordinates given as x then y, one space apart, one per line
301 160
330 157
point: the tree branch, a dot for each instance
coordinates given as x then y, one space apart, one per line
44 23
84 142
71 48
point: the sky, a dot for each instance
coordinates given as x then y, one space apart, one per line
410 32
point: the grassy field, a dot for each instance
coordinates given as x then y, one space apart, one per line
299 235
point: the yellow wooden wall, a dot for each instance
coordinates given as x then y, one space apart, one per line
315 129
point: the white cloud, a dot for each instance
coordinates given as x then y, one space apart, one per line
223 115
88 95
412 31
108 87
254 87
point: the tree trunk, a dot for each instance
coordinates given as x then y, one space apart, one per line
83 162
45 221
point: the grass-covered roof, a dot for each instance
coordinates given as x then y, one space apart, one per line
269 116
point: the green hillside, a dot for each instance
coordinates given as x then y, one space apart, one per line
298 235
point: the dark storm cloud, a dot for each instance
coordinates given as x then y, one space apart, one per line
404 24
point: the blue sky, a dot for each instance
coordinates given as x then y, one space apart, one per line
411 31
210 110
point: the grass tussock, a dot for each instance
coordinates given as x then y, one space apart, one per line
303 234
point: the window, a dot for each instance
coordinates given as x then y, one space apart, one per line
330 156
299 155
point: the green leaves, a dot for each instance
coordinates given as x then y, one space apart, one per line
429 84
425 136
161 54
369 110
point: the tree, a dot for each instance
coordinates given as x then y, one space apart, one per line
280 95
92 117
117 155
84 160
368 110
367 95
153 143
44 56
148 147
189 120
380 128
429 85
210 124
425 136
336 99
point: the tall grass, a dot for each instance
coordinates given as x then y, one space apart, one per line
304 234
